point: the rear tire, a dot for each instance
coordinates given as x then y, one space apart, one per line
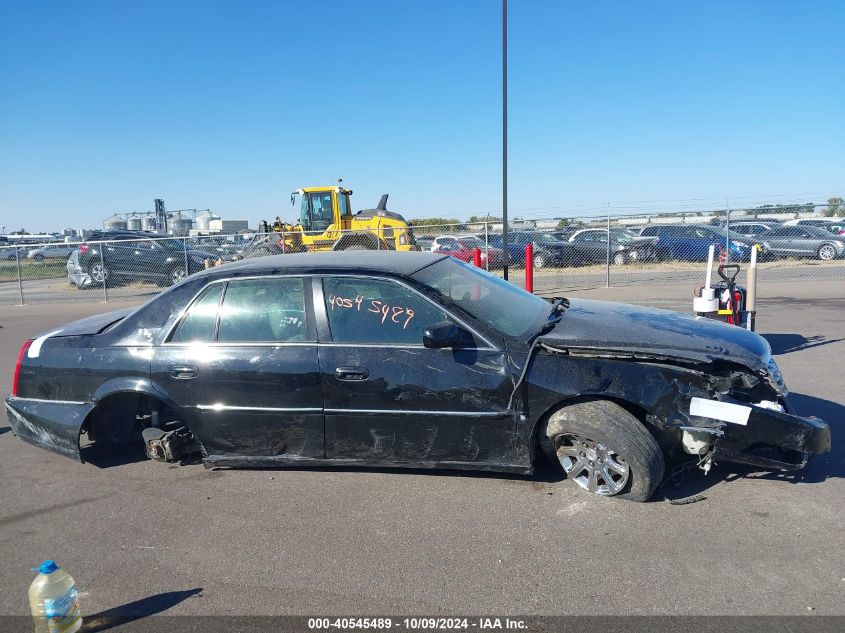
604 449
826 252
356 247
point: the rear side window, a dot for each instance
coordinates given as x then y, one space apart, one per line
200 322
362 310
270 310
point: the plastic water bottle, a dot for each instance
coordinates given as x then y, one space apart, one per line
53 600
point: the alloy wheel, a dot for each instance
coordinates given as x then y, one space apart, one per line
99 273
592 465
177 275
827 252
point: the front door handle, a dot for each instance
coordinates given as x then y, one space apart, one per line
352 373
184 372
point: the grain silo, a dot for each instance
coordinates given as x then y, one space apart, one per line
148 223
178 224
115 223
134 222
204 219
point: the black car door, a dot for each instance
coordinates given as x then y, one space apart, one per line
390 399
242 365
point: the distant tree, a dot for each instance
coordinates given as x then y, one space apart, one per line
835 207
563 223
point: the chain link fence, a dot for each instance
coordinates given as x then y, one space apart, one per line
568 254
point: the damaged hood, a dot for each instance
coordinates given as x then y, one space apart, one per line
613 329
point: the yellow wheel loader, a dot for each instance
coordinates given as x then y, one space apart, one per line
326 223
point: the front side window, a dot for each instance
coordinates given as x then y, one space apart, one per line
363 310
343 203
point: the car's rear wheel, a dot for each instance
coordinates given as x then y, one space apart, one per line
98 273
605 450
826 252
39 257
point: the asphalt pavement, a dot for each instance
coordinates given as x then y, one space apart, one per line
344 541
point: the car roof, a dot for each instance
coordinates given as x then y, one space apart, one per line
399 263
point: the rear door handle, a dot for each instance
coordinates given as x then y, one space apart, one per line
352 373
184 372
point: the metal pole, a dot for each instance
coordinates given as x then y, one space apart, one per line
607 266
105 278
728 234
505 138
486 246
20 282
185 251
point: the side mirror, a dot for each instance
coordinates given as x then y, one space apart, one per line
445 334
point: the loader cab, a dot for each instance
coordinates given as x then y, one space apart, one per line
322 207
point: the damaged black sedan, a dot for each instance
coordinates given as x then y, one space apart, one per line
412 360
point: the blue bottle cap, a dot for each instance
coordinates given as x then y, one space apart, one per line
48 567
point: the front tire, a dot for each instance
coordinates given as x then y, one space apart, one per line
176 275
620 259
604 450
539 261
99 273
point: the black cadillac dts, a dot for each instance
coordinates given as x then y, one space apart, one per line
407 359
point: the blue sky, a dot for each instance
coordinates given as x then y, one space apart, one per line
105 105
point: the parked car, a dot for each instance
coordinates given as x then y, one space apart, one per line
591 245
804 241
409 360
110 257
691 242
548 250
425 242
52 251
753 229
462 248
833 225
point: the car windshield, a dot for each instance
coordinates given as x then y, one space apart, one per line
471 242
546 238
622 235
483 296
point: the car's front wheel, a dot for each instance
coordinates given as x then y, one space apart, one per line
620 258
98 273
605 450
176 275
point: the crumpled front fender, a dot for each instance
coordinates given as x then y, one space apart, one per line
49 424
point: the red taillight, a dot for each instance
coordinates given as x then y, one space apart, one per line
83 248
18 366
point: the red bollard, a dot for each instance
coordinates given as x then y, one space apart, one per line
476 257
529 267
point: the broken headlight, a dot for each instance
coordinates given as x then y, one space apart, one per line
776 377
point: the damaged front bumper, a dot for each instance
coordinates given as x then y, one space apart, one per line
772 439
50 424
